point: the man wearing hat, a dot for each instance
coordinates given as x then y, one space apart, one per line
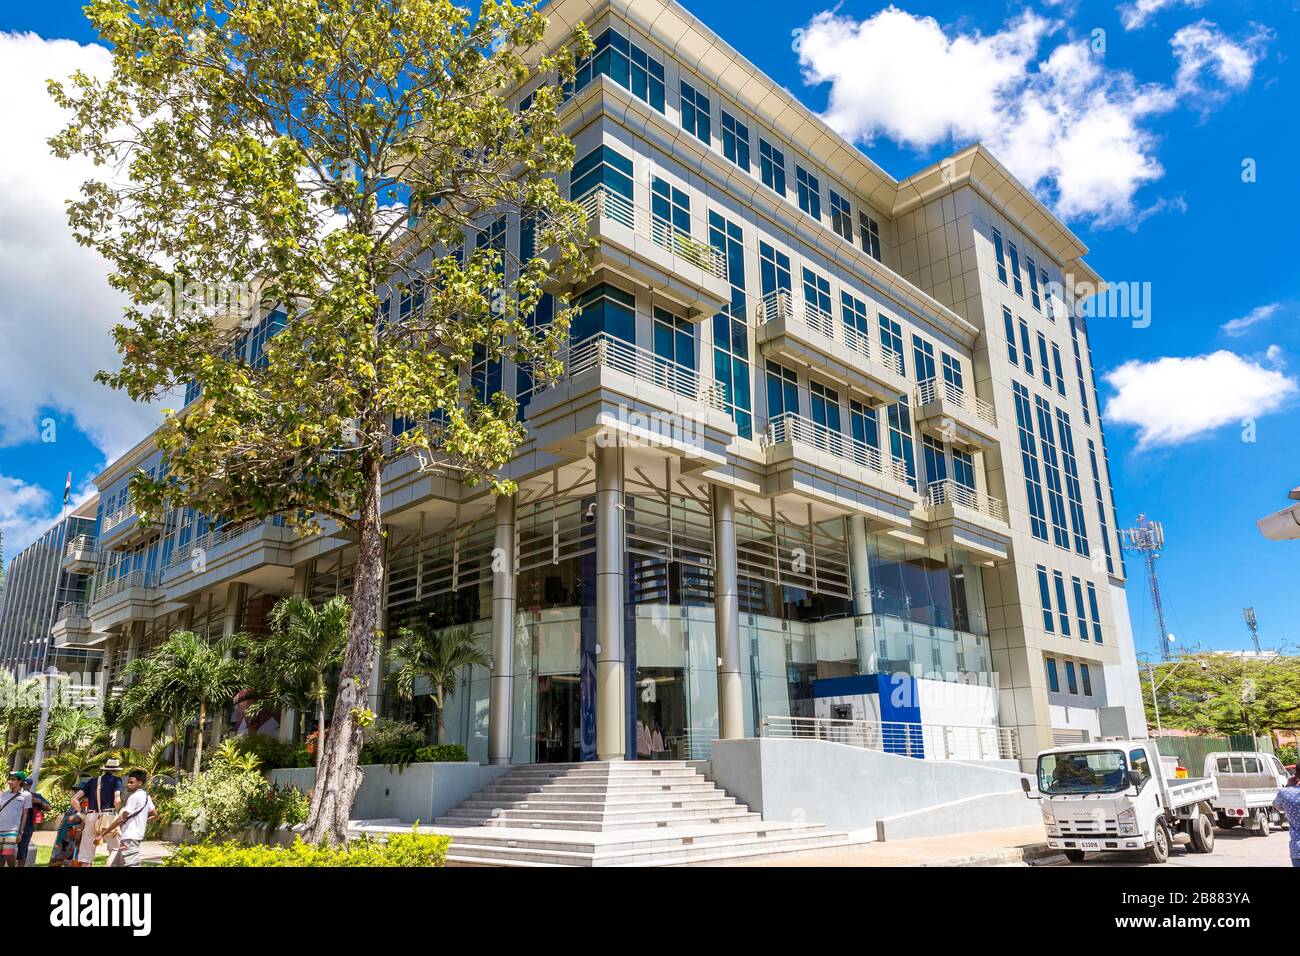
98 799
15 808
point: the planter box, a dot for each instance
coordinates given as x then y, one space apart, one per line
421 792
178 833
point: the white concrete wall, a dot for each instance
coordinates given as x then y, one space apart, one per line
421 792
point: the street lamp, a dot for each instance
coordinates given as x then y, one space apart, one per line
49 681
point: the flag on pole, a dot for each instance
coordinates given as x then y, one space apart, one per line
67 490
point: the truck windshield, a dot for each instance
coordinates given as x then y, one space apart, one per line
1088 771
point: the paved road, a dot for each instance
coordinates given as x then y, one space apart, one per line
1231 848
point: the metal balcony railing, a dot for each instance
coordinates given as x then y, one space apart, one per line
609 351
81 544
604 203
780 304
72 615
117 517
791 427
928 741
132 579
933 388
949 491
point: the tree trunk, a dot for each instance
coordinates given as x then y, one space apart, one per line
176 745
320 724
337 777
198 743
442 723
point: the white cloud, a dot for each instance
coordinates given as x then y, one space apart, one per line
1135 15
1261 313
1203 49
56 307
28 511
1172 400
1067 125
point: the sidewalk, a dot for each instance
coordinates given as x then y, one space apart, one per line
989 848
151 851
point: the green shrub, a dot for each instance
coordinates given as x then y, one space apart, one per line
442 753
273 753
1287 754
399 849
278 806
392 742
228 798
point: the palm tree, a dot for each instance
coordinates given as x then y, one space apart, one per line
289 667
146 701
438 656
187 675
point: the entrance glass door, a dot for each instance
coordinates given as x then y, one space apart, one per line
559 720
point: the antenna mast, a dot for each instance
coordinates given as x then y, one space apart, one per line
1148 537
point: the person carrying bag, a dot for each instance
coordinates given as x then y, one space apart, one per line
98 799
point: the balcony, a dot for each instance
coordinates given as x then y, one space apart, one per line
239 551
817 462
955 414
80 555
791 328
72 627
614 391
966 518
652 252
117 528
128 597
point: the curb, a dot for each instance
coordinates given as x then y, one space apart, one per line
1029 853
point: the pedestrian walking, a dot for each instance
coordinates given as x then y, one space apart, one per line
98 799
15 808
39 808
129 825
1288 801
67 839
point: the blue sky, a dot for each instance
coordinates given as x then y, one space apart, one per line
1136 135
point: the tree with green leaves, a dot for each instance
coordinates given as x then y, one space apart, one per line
438 655
1226 694
322 154
290 667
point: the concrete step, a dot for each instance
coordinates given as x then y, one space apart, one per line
525 819
667 801
594 795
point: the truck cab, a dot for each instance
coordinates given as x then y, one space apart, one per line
1114 796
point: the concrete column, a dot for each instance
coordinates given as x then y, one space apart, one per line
726 615
981 479
859 565
501 686
611 722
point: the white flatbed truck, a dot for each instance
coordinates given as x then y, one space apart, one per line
1248 782
1114 796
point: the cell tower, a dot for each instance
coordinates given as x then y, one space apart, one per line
1254 628
1148 537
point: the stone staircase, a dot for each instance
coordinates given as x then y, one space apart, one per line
619 813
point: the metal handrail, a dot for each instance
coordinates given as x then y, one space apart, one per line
779 304
211 541
609 351
132 579
600 202
932 388
81 544
117 517
950 491
75 611
791 427
818 319
928 741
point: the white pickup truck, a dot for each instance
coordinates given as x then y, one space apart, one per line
1248 781
1114 796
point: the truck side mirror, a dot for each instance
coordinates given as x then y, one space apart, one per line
1024 785
1135 778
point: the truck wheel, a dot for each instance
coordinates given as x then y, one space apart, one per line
1158 851
1262 827
1074 856
1202 834
1227 823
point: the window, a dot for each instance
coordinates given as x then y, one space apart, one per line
773 269
1072 490
1045 596
891 344
863 424
1001 256
1024 347
1010 326
936 464
899 419
1138 761
963 468
1078 608
1042 360
695 112
670 205
266 330
841 216
1033 284
1056 364
1071 681
952 372
809 190
605 308
1053 682
1062 609
1029 461
1087 679
730 331
1052 472
1078 368
870 235
735 141
1016 285
856 324
782 391
674 342
1101 508
627 65
817 295
541 316
771 167
1047 294
825 405
922 358
602 167
1093 614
